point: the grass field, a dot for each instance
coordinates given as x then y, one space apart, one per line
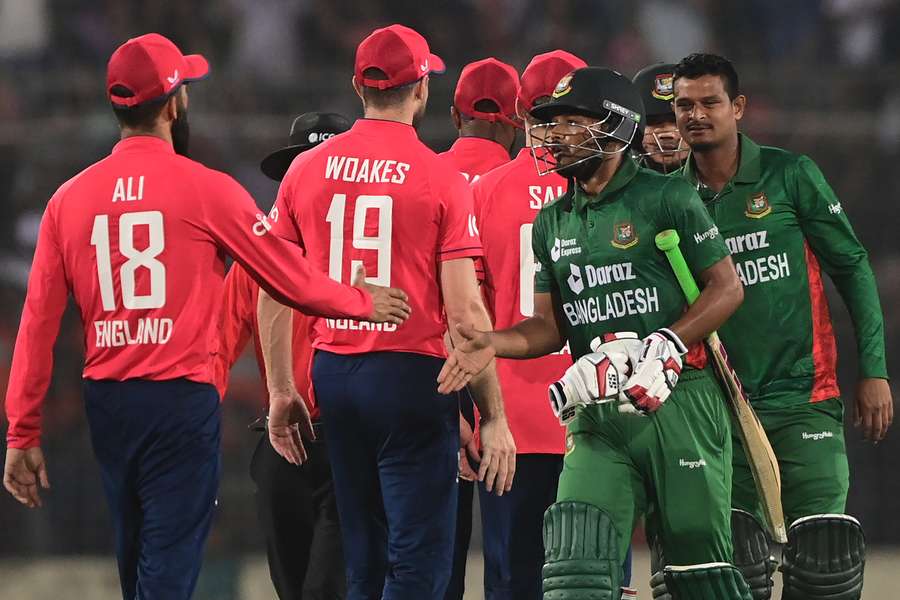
94 578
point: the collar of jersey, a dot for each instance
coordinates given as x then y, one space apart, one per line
144 142
488 146
624 174
382 126
748 168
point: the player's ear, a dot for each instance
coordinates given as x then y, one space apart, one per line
171 109
738 105
357 87
455 117
421 89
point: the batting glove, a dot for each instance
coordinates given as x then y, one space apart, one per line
656 371
595 377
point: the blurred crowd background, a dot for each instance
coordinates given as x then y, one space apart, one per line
821 77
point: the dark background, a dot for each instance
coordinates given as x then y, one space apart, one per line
821 77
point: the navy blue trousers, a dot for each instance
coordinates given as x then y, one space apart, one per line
157 443
393 442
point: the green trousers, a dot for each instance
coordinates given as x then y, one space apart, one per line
673 466
808 440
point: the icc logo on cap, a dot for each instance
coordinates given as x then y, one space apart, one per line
319 137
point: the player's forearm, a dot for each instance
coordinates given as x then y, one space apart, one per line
532 338
722 295
275 330
485 387
860 293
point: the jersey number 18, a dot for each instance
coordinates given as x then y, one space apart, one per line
145 258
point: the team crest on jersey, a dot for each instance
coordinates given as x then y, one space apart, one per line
563 87
624 236
570 443
758 206
663 87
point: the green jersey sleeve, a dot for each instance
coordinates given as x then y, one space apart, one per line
843 257
543 275
701 243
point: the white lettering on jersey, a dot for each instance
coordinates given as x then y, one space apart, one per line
124 190
599 275
353 325
262 225
709 234
835 208
754 240
539 195
355 170
614 305
764 269
116 333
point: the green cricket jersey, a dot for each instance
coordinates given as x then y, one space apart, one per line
781 220
599 253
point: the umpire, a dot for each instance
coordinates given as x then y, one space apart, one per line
295 504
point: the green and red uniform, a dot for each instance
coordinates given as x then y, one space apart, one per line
598 254
784 225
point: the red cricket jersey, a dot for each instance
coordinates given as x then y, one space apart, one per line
377 196
239 324
507 200
138 238
473 156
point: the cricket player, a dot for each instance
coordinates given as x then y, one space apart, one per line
484 114
138 239
784 226
506 202
660 439
661 147
296 506
377 196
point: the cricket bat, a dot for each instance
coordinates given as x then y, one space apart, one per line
760 455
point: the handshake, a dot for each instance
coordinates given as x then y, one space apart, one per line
639 374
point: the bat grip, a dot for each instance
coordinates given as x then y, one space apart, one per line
668 241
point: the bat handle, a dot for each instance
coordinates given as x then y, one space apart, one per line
668 241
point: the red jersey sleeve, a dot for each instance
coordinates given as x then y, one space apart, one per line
458 237
32 363
278 266
284 223
238 313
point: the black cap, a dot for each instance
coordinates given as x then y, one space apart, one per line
307 131
596 92
656 85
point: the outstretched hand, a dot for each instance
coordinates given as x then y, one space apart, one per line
389 305
470 357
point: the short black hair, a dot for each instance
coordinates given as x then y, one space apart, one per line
385 98
698 64
141 117
484 105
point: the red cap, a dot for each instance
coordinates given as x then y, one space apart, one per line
151 67
543 73
487 79
402 53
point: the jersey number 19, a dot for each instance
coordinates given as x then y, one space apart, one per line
380 241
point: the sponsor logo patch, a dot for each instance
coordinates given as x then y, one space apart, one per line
817 436
691 464
758 206
575 280
624 236
570 443
663 87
